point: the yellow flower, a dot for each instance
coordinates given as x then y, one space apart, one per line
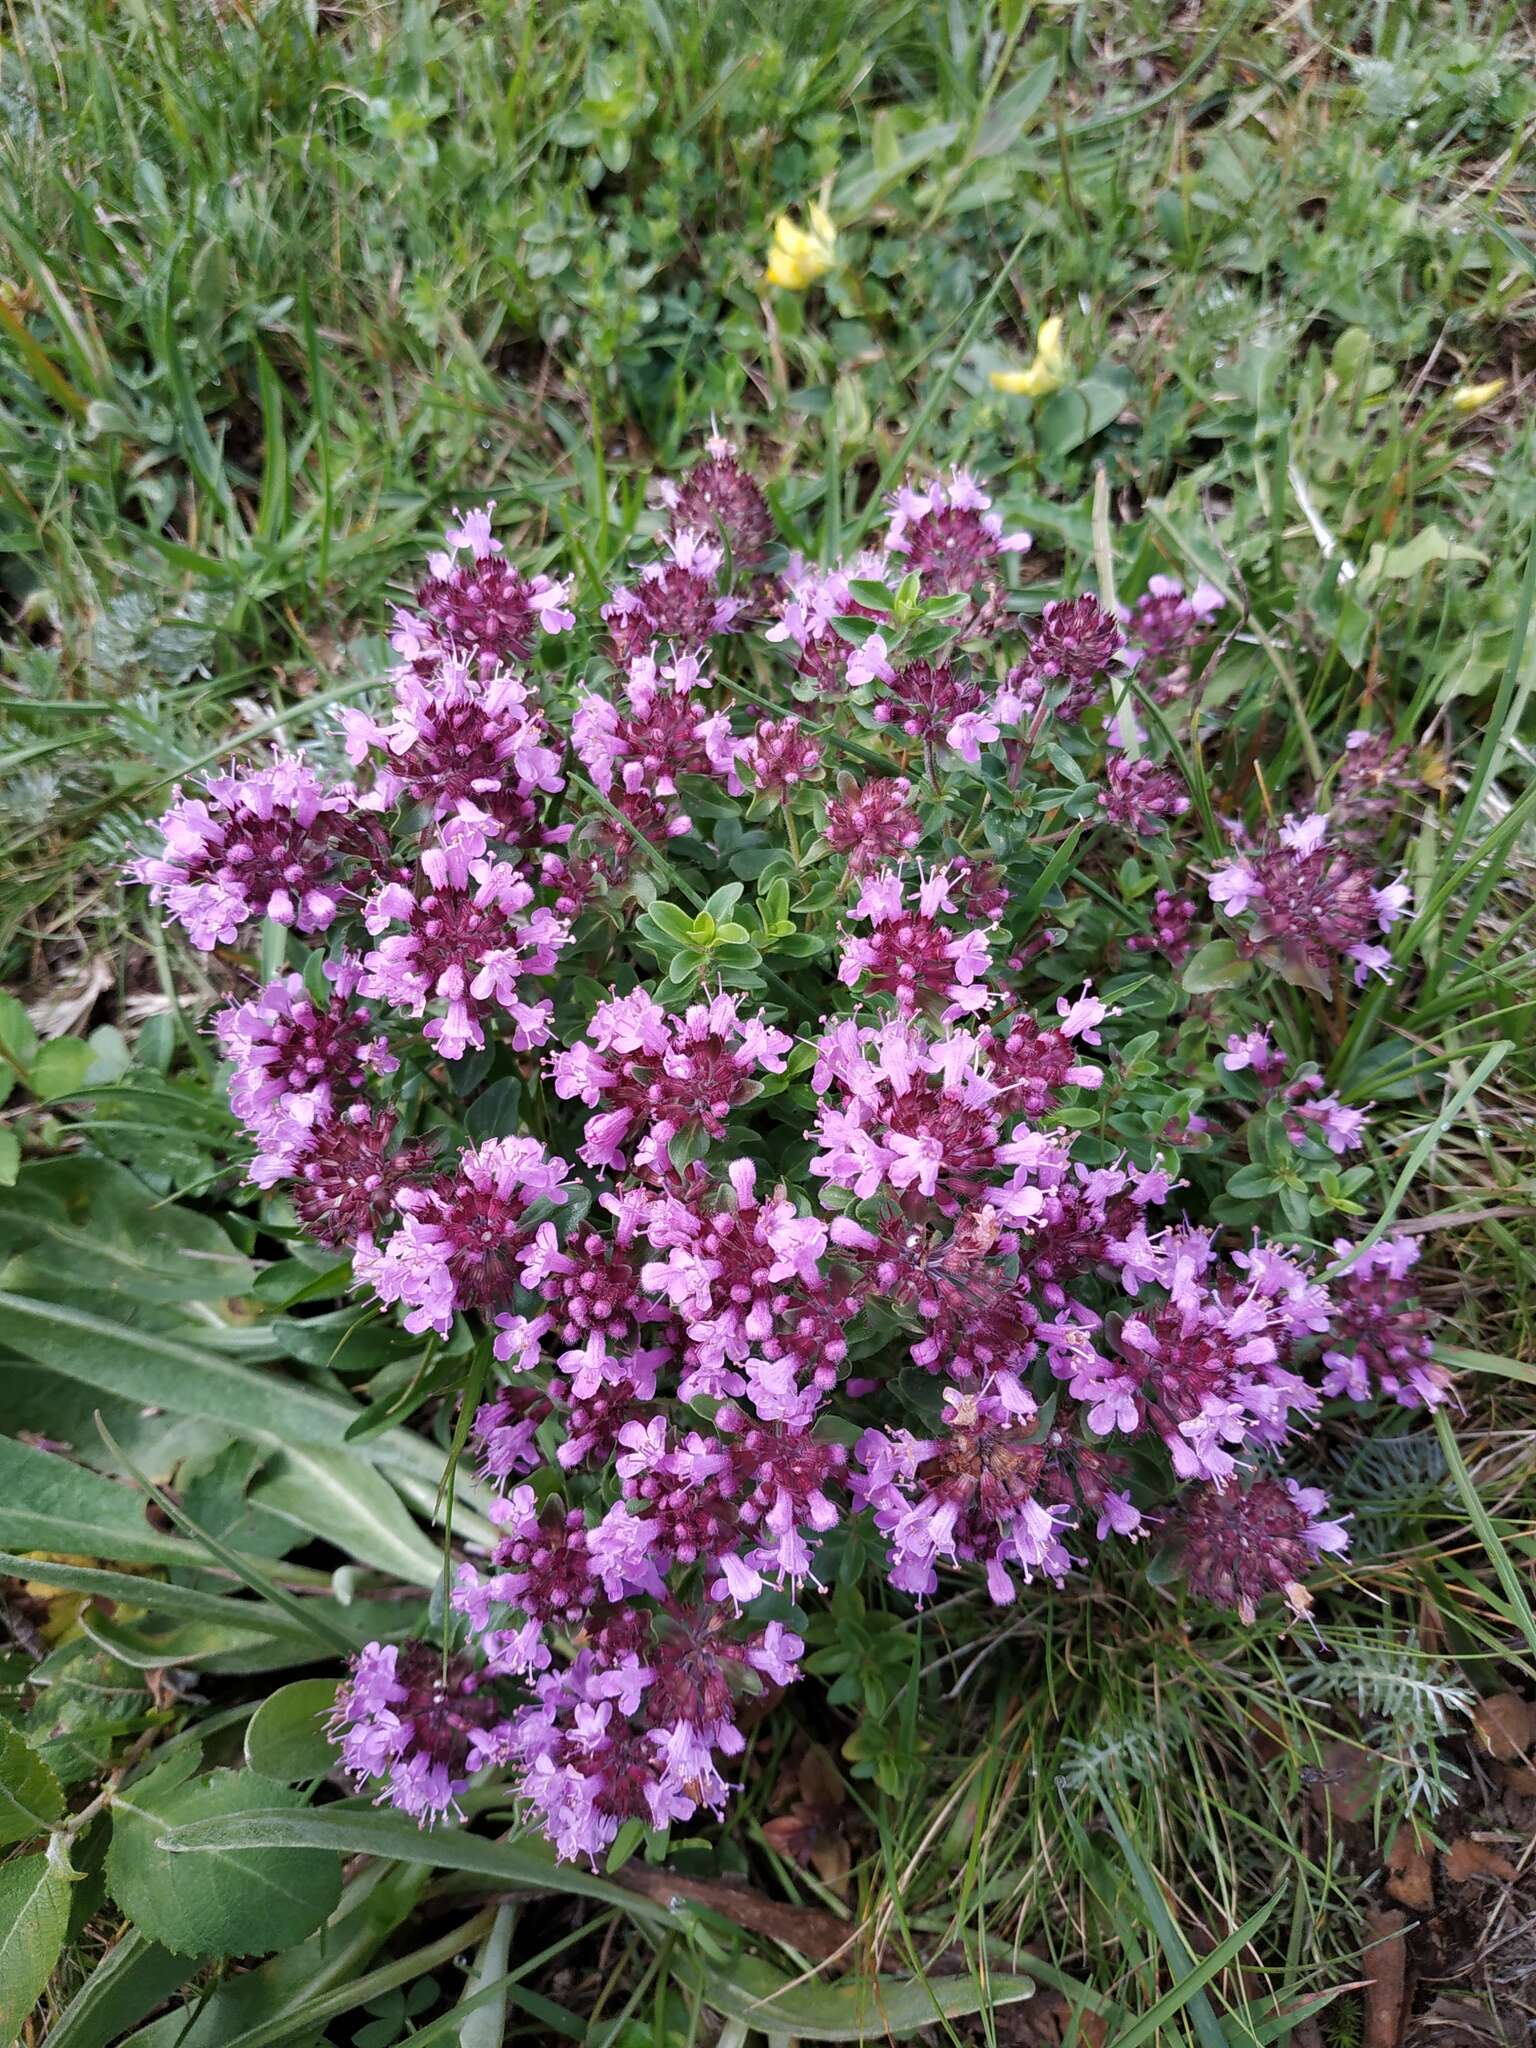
1047 373
1472 397
797 257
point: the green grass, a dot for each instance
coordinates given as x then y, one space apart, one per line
278 287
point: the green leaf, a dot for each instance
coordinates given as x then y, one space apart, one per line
1173 2001
47 1503
1404 563
1217 965
1014 111
90 1223
666 921
146 1367
60 1068
18 1034
486 2025
339 1496
30 1796
134 1976
10 1156
285 1738
495 1114
34 1913
858 2009
245 1902
859 188
222 1644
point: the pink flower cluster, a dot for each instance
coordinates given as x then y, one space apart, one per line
1302 904
864 1230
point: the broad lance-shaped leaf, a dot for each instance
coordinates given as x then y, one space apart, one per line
201 1645
360 1831
91 1224
158 1598
47 1503
146 1366
134 1976
858 2008
339 1496
34 1912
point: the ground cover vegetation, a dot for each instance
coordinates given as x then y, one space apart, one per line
767 1230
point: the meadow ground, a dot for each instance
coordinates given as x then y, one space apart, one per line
279 286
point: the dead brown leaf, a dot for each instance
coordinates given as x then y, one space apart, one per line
1468 1858
1506 1726
811 1933
1410 1879
1386 1979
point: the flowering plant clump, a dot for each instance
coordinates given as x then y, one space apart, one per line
787 1026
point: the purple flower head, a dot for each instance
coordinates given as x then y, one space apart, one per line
970 1494
456 741
938 703
1309 1113
474 605
1256 1053
269 841
1304 904
1172 933
908 953
636 756
814 598
1076 643
782 757
297 1064
948 534
1141 797
1164 628
1380 1342
1240 1543
674 603
1206 1368
473 939
351 1173
652 1075
719 498
741 1274
872 823
463 1236
415 1727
